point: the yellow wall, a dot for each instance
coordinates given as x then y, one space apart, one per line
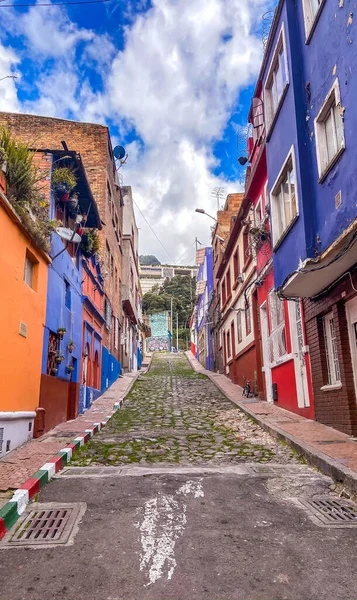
20 357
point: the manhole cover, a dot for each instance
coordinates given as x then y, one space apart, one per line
332 511
45 525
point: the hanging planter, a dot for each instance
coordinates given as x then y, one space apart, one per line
59 359
63 182
90 243
60 332
54 371
72 206
71 346
69 369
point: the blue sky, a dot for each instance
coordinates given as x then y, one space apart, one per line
172 79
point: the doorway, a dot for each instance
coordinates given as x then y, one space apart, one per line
265 347
351 313
298 348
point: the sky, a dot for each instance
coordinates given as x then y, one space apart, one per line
172 79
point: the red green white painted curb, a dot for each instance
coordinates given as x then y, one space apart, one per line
16 506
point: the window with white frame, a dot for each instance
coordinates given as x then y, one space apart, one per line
329 130
333 365
277 80
239 327
311 10
258 213
277 338
284 204
248 320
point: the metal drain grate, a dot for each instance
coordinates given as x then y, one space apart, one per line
332 511
44 525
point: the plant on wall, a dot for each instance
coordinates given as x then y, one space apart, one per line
24 189
90 243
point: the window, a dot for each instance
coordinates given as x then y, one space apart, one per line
258 213
311 13
116 333
224 293
248 320
284 199
246 246
111 265
30 269
229 287
258 119
277 340
116 278
333 366
109 197
239 326
277 80
228 344
233 339
236 264
107 257
67 294
330 139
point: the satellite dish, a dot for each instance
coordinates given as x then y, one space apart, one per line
68 235
119 152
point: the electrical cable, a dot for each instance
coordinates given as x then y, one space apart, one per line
187 249
158 239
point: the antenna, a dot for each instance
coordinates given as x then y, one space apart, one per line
120 156
219 193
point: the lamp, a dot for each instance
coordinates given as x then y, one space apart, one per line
242 160
203 212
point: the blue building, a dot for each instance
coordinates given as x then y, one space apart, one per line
204 291
62 343
309 89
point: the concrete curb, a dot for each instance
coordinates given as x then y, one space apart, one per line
11 511
327 465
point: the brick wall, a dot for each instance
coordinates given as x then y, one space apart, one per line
93 143
336 408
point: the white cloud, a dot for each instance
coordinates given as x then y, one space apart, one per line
8 94
176 81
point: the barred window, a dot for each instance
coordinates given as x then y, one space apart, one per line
333 365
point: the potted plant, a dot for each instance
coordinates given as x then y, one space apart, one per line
59 359
63 182
69 369
60 332
90 243
71 346
53 371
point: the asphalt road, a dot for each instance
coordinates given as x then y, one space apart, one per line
200 528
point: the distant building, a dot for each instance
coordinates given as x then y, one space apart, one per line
152 275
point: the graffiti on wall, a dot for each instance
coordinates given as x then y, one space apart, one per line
157 344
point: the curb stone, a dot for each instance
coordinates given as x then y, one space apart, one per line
15 507
327 465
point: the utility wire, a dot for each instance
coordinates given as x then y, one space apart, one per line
158 239
53 3
187 249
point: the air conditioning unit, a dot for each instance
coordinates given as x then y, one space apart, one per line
240 278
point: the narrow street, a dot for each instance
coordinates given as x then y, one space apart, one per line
181 496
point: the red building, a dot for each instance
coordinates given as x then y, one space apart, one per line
280 333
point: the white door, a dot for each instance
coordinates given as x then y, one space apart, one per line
351 311
265 345
299 352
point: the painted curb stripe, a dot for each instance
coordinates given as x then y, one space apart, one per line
50 468
9 514
79 439
42 476
32 485
66 454
21 497
58 462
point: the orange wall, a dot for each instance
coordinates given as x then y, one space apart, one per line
20 357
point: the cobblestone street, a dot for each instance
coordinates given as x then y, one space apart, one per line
174 415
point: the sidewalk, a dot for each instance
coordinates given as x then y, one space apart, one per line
333 452
17 466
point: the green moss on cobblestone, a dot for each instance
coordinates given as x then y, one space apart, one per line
170 417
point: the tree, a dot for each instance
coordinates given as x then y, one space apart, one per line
148 259
181 289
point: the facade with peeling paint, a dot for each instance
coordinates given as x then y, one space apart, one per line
309 93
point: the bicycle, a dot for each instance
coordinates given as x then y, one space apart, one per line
247 388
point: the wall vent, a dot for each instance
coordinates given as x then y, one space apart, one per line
23 329
338 199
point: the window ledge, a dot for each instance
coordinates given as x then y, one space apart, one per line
331 164
285 233
247 262
331 387
275 118
310 32
236 284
